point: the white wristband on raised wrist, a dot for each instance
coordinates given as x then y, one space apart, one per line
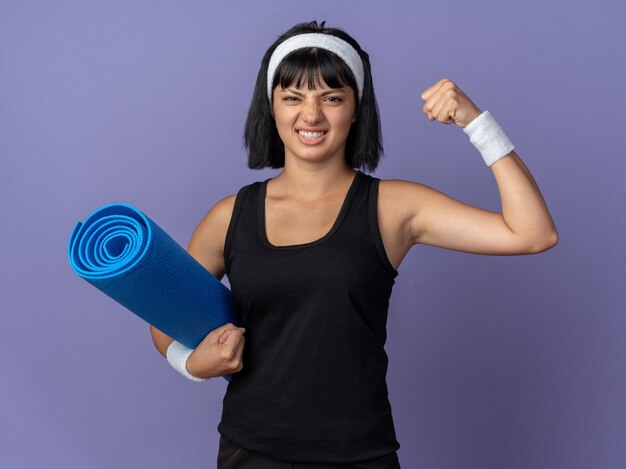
488 137
177 355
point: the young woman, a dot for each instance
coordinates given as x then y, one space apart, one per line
312 255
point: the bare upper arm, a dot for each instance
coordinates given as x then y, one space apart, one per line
207 241
207 247
437 219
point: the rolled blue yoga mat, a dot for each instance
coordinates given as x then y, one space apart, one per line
124 254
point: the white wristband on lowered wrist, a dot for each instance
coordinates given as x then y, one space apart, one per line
488 137
177 355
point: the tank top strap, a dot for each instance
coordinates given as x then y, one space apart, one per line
374 224
242 219
362 217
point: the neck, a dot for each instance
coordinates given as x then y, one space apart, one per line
311 182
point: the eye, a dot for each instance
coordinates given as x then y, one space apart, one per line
335 98
289 98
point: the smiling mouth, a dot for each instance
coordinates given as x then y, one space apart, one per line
311 135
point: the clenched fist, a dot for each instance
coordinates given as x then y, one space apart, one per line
219 353
446 102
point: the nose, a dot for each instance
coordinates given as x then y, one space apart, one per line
311 112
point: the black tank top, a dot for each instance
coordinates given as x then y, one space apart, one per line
313 384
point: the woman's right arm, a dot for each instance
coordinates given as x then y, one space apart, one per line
207 247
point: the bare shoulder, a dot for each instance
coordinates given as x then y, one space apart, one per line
418 207
218 216
395 208
207 241
401 189
413 208
399 202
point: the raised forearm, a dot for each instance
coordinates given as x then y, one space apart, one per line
523 207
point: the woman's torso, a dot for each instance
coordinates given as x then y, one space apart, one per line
315 309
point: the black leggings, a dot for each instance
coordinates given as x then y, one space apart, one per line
231 456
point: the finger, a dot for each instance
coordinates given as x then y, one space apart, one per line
444 118
220 330
428 92
448 112
439 109
239 348
430 105
228 325
238 356
237 351
222 338
432 102
230 337
225 332
427 112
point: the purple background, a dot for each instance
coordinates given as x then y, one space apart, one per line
495 362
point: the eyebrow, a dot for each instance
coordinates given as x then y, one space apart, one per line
292 90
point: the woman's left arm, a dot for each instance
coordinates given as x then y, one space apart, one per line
524 226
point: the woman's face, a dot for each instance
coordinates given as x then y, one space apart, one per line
323 109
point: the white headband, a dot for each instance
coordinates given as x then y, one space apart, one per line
324 41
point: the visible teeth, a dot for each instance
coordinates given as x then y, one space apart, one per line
311 134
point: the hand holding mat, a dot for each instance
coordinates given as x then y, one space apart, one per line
124 254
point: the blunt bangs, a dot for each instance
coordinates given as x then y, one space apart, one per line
312 64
